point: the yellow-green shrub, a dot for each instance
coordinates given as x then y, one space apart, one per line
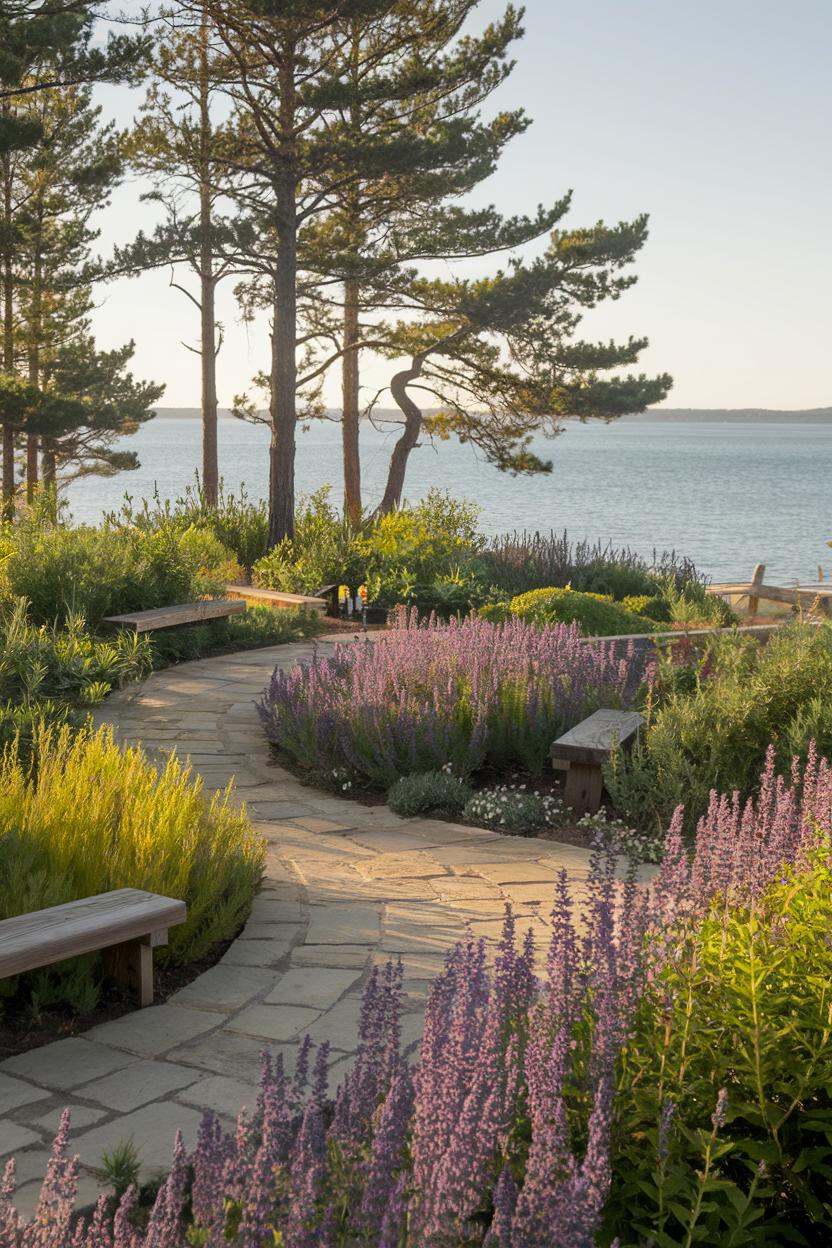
595 614
96 572
90 817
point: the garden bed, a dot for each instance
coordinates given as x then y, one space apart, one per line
21 1031
137 826
437 716
663 1077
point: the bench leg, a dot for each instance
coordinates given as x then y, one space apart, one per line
131 965
584 786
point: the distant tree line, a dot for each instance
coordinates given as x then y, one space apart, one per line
322 156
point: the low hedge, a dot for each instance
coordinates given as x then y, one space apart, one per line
596 615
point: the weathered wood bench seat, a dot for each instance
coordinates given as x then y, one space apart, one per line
586 747
127 924
279 599
183 613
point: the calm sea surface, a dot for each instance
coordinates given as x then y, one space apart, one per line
727 495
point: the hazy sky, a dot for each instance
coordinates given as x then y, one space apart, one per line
714 116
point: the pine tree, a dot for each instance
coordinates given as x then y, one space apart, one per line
48 43
499 358
54 186
431 148
177 143
291 159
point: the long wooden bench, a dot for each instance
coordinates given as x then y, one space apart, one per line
585 748
182 613
280 599
127 924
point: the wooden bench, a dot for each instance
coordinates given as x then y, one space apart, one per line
183 613
279 599
586 747
127 924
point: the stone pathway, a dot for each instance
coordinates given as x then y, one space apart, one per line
346 886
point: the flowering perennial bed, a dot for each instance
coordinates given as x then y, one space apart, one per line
432 694
668 1081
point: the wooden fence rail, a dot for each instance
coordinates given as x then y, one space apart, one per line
804 597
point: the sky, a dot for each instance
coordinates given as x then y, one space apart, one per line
713 116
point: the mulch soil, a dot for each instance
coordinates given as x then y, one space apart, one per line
22 1030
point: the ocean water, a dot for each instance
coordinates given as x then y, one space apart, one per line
727 495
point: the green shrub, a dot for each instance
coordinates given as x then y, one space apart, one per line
495 612
691 607
23 722
724 1109
617 580
710 726
95 572
263 626
656 609
511 808
428 791
323 551
427 555
39 662
240 524
91 818
595 615
212 565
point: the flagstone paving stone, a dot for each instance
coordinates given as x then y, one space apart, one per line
225 987
66 1063
152 1128
224 1095
138 1084
154 1030
273 1022
15 1137
319 990
346 886
16 1092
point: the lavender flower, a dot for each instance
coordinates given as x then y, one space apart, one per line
424 1159
429 695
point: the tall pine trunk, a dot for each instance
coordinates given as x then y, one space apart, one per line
208 348
350 418
35 335
49 464
283 399
8 336
409 438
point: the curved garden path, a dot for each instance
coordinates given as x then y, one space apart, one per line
345 887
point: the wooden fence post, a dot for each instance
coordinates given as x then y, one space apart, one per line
757 579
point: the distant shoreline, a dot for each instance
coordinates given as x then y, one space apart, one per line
663 415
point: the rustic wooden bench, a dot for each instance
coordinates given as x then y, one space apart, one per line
127 924
586 747
183 613
279 599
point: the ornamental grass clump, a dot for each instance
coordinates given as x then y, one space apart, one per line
659 1073
430 695
89 817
